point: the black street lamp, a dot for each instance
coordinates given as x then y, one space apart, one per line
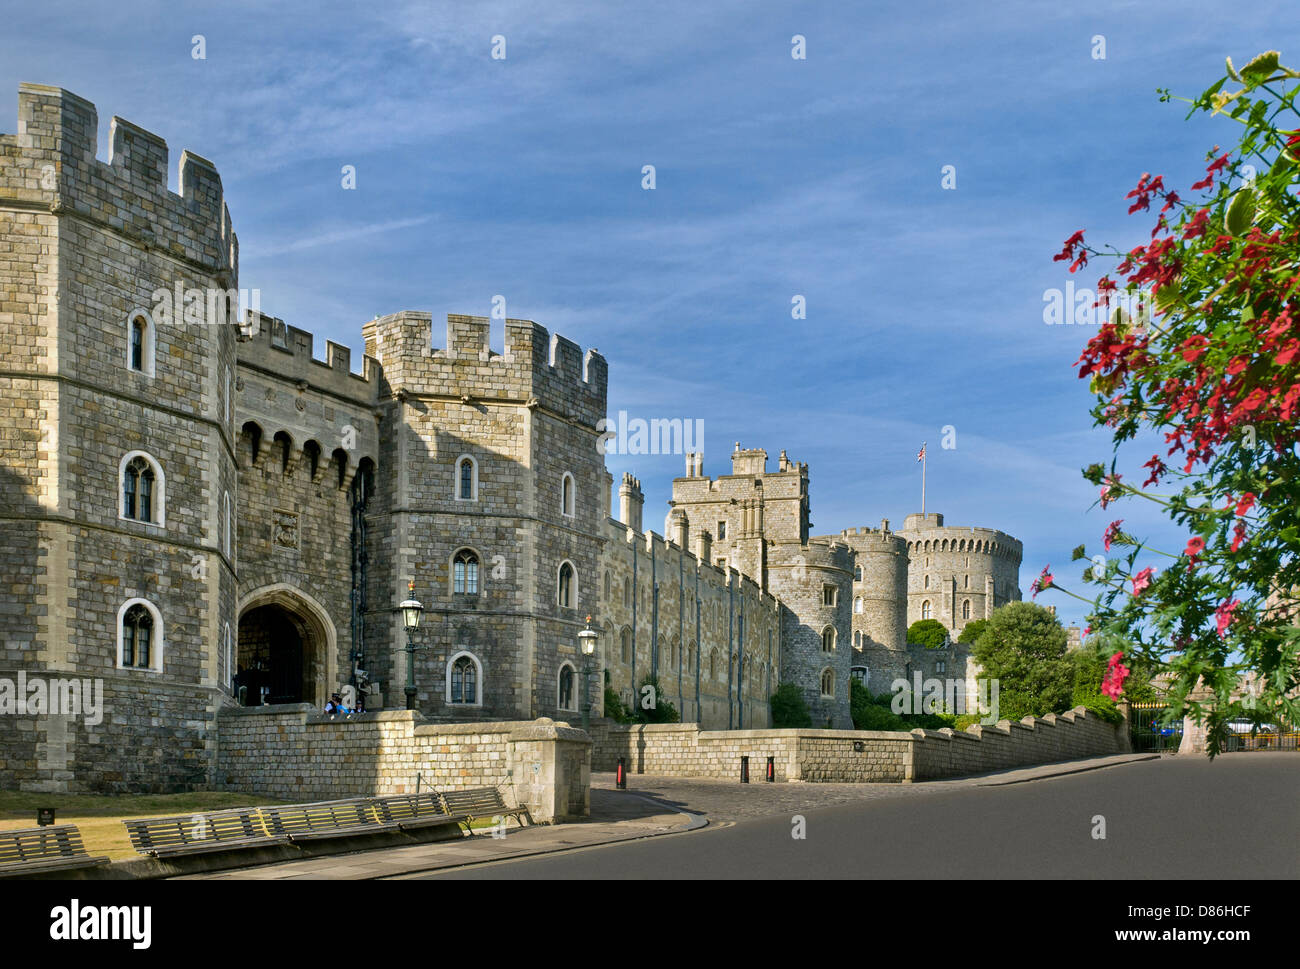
587 641
411 612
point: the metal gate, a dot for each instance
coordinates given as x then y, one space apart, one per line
1149 734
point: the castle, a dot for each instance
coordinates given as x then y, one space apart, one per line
196 511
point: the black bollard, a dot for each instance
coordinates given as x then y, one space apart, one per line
744 770
771 770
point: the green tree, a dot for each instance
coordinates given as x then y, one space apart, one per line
1208 365
789 708
929 633
1023 648
971 631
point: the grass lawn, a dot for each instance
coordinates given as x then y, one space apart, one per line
99 816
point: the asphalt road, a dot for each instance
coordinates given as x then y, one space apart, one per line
1238 817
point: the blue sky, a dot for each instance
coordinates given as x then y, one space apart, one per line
775 177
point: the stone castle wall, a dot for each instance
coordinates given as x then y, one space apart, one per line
711 635
854 756
292 752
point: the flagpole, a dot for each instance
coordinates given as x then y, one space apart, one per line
923 457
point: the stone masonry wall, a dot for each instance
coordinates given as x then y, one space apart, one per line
845 756
293 753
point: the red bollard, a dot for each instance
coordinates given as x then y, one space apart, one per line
620 777
744 770
771 770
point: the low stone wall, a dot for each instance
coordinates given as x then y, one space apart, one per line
293 752
683 750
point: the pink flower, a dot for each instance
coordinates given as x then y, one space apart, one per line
1043 581
1142 580
1224 615
1116 674
1110 490
1112 532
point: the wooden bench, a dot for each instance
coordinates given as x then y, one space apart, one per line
198 833
411 811
325 819
51 848
481 802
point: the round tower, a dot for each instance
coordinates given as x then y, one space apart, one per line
957 575
879 606
814 583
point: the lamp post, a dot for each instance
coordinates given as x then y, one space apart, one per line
411 612
587 640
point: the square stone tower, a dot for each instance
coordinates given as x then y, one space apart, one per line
117 473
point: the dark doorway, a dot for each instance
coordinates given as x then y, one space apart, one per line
273 662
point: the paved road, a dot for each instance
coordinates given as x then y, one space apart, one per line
1238 817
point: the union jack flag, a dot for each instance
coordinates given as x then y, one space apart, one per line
920 456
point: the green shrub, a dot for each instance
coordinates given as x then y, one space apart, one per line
965 720
789 709
661 712
929 633
614 708
972 630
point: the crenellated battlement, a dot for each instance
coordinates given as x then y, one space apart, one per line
672 556
536 364
287 351
51 161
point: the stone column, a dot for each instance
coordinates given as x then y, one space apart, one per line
1194 733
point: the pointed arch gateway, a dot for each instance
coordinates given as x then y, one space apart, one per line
287 649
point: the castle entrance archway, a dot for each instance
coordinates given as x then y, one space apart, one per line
286 649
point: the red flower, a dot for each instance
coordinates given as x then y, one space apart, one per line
1223 615
1116 674
1195 547
1193 347
1239 535
1142 580
1112 532
1245 503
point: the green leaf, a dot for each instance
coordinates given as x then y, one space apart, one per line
1241 213
1262 64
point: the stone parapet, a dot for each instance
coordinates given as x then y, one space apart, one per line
292 752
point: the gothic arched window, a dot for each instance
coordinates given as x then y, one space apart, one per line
137 637
565 590
925 610
828 682
566 687
463 680
465 573
138 482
